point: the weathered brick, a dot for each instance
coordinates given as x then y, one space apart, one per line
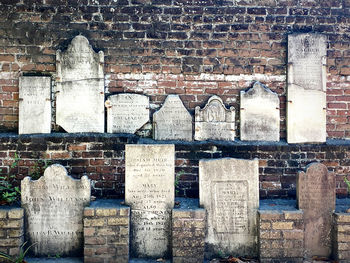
121 221
270 234
89 212
94 222
293 215
106 212
293 234
282 225
95 241
89 231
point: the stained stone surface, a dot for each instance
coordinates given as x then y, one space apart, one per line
316 197
126 113
53 207
172 121
34 105
80 88
214 121
149 191
306 107
229 191
260 114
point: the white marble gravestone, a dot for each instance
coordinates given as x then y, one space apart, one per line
306 96
229 191
126 113
149 190
34 105
54 206
80 88
260 114
214 121
172 121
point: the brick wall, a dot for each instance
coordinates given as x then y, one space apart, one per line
178 40
11 230
342 237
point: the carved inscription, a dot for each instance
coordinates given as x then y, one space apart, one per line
54 211
149 190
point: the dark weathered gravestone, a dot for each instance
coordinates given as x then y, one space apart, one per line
53 207
316 197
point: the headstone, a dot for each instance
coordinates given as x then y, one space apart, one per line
53 207
214 121
260 114
229 191
316 197
149 190
172 121
126 113
34 105
80 88
306 107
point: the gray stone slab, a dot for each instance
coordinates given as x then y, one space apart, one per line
306 95
259 114
172 121
80 88
214 121
316 197
149 191
34 105
229 191
53 207
126 113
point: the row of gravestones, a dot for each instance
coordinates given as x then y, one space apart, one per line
80 101
229 191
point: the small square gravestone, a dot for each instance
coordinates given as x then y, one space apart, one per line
54 206
260 114
316 197
34 105
149 191
172 121
306 94
229 191
126 113
80 88
214 121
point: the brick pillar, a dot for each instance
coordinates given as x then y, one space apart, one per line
342 237
106 232
188 230
11 230
281 236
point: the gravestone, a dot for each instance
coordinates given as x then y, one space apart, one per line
229 191
53 207
260 114
149 191
172 121
126 113
306 95
80 88
214 121
316 197
34 105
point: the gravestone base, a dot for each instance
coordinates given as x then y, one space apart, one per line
106 232
341 239
188 232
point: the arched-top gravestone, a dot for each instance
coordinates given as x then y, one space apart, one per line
54 207
80 88
214 121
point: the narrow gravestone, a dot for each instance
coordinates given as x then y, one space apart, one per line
34 105
80 88
214 121
172 121
260 114
306 95
229 191
316 197
149 190
126 113
54 207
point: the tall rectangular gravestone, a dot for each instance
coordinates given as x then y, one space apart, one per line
316 197
34 105
149 190
53 207
229 191
306 95
80 88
